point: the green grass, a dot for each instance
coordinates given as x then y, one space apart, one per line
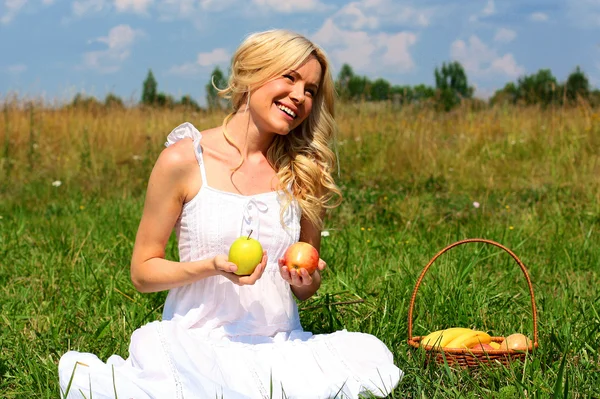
65 253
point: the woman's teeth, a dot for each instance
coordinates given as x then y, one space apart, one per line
287 110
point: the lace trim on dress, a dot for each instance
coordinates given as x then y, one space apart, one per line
168 356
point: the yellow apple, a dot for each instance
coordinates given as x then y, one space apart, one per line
516 341
246 253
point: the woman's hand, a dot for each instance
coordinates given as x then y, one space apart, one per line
227 269
299 277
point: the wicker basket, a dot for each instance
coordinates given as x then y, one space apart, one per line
472 358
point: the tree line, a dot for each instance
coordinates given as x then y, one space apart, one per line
451 89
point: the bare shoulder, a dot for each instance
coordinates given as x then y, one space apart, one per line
178 157
177 167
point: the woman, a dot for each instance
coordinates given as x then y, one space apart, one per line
266 170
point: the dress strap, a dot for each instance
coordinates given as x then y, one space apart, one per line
187 130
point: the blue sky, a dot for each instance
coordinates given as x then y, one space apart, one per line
56 48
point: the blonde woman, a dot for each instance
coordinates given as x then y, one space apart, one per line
267 169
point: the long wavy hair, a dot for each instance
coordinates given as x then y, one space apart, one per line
303 159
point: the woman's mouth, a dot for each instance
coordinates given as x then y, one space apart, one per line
286 110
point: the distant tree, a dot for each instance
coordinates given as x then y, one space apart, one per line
217 80
509 94
149 91
164 100
422 93
188 102
88 103
113 101
594 98
452 85
401 94
359 87
344 77
538 88
577 86
380 90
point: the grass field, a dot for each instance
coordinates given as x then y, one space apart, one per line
72 188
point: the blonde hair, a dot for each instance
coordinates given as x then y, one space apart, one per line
303 158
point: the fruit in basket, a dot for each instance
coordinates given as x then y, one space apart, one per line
482 347
442 337
494 345
516 341
469 339
301 255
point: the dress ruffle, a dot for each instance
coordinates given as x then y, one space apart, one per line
186 130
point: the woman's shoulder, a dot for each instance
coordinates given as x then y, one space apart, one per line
178 157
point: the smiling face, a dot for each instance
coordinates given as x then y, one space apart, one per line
283 103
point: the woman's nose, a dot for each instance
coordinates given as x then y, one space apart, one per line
297 94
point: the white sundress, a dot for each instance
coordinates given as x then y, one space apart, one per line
220 340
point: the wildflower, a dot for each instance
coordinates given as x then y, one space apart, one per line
368 241
56 183
511 227
82 207
476 205
362 229
324 233
369 229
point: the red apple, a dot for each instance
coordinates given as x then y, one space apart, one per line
301 255
482 347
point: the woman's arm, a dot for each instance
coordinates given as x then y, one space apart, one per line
168 189
305 285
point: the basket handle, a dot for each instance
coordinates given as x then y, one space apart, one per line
469 240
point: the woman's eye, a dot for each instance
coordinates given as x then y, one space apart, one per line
311 92
289 77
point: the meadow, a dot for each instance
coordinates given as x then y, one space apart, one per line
72 184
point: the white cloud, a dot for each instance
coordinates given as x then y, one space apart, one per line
216 57
136 6
489 9
193 9
374 14
119 42
16 69
367 52
539 17
287 7
481 61
87 7
11 9
352 16
504 35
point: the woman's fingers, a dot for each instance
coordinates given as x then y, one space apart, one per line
299 277
321 265
257 273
